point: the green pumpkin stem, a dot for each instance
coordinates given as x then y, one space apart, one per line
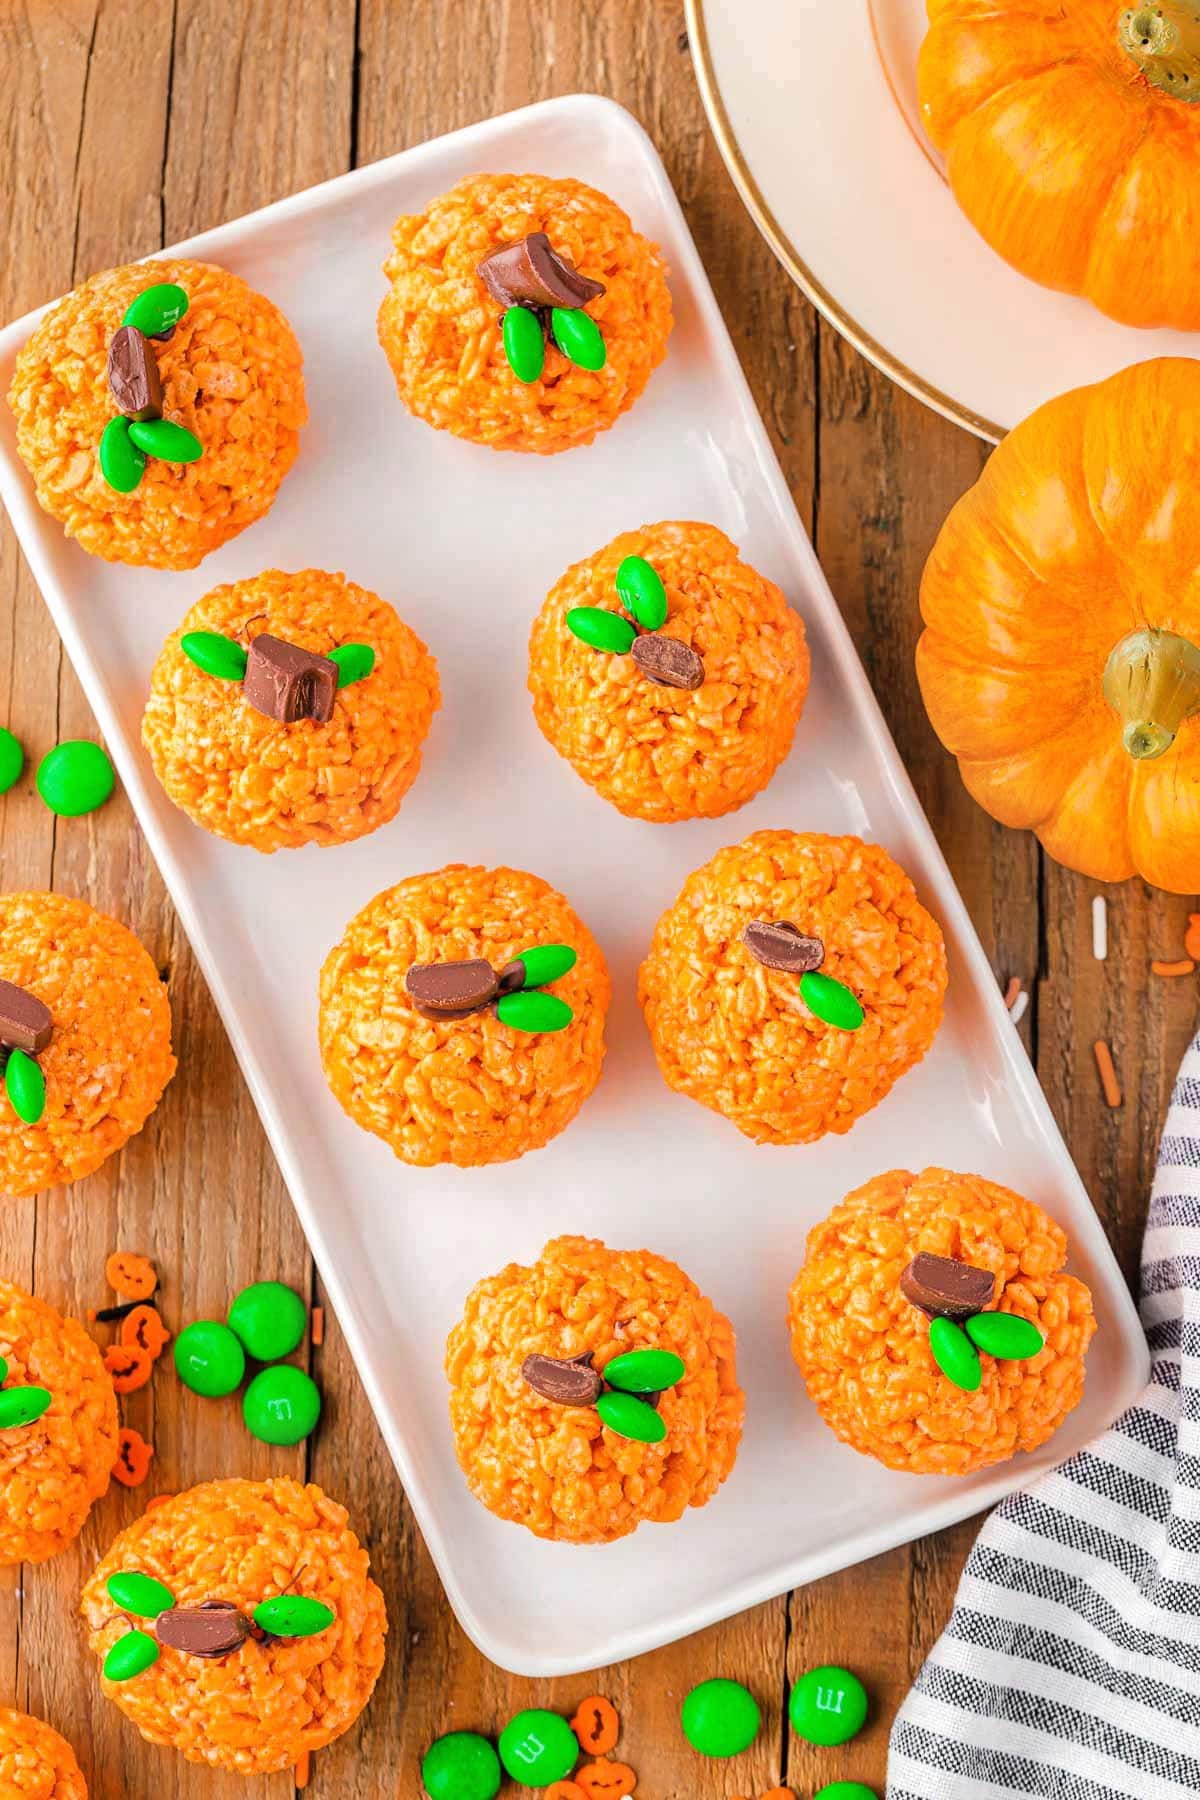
1152 683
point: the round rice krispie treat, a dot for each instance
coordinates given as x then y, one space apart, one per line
523 313
85 1035
669 673
238 1624
795 978
58 1430
158 409
35 1762
593 1392
462 1015
934 1324
289 710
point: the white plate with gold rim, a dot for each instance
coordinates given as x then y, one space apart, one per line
466 542
814 108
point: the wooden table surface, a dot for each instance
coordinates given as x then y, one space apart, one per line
128 124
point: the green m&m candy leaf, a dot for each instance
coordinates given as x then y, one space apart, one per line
293 1616
215 654
209 1359
644 1371
602 630
642 593
131 1655
75 778
354 662
546 963
578 336
12 760
25 1086
281 1405
461 1766
122 464
3 1369
167 441
1004 1335
22 1406
524 343
828 1705
157 308
830 1001
720 1718
630 1417
136 1593
955 1354
529 1009
538 1748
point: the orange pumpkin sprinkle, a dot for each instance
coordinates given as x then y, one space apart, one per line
134 1456
604 1780
143 1327
131 1275
130 1367
565 1790
597 1725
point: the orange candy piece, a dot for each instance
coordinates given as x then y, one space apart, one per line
134 1456
143 1328
597 1725
565 1790
131 1275
604 1780
129 1365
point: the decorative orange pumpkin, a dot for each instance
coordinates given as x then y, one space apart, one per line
1071 131
1061 657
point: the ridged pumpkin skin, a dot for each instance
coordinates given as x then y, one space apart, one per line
1081 535
1081 169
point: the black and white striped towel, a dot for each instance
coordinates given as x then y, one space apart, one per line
1070 1669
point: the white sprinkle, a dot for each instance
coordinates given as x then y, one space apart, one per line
1019 1007
1100 928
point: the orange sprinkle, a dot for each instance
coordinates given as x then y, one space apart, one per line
317 1326
1191 942
134 1456
131 1275
1183 967
1011 991
604 1780
597 1725
1108 1074
565 1790
303 1770
158 1500
144 1328
779 1794
130 1367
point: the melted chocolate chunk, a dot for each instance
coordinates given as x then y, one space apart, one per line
215 1628
288 683
25 1022
570 1381
452 990
667 661
777 944
532 273
512 976
133 378
945 1289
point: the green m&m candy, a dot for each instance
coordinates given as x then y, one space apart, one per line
845 1790
269 1318
167 441
630 1417
546 962
122 464
354 662
538 1747
720 1718
75 778
828 1705
955 1354
644 1371
22 1406
281 1405
135 1592
25 1086
209 1359
461 1766
293 1615
131 1655
1004 1335
3 1369
156 309
215 654
642 593
578 336
601 629
524 343
830 1001
12 760
529 1009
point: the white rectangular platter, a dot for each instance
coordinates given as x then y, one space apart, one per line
466 543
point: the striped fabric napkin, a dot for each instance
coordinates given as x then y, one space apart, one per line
1070 1669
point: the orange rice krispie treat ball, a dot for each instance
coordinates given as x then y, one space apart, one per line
158 409
85 1035
593 1392
58 1430
795 978
934 1325
669 673
523 313
462 1016
35 1762
290 710
238 1624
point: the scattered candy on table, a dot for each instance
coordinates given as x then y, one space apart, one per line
843 1790
209 1358
12 760
828 1706
597 1725
1099 927
269 1318
720 1718
1109 1084
131 1275
134 1456
538 1747
1185 966
281 1405
461 1766
75 778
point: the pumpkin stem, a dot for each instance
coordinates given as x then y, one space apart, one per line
1152 683
1164 41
